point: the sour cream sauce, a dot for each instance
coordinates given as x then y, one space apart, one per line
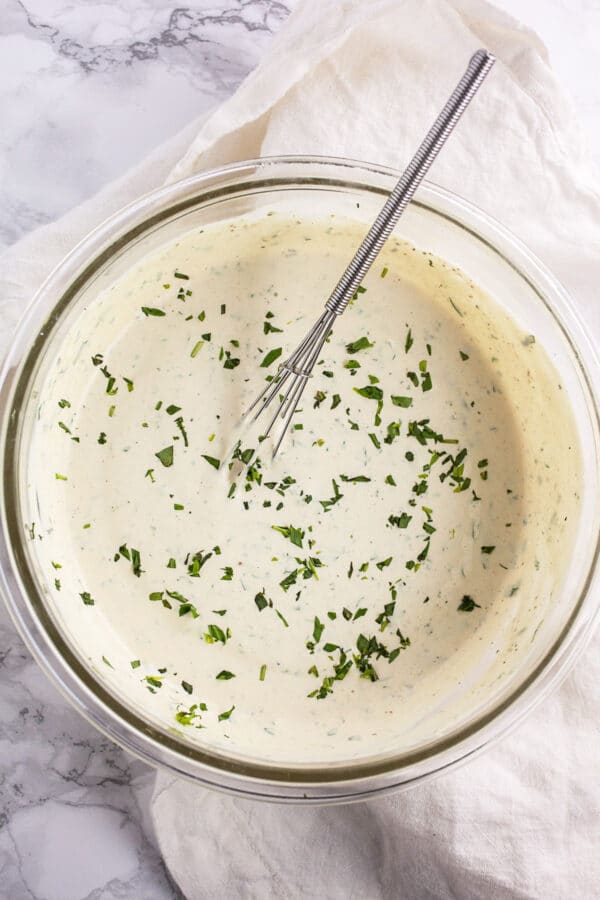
369 589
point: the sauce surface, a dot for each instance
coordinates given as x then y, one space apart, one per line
369 589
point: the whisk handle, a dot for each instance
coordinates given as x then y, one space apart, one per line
479 66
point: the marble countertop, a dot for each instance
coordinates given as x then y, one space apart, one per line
86 90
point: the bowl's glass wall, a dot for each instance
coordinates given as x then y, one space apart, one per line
437 222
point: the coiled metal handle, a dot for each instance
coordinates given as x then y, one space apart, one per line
479 66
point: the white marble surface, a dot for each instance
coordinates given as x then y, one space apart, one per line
86 89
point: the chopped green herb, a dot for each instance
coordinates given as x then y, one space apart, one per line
401 521
371 392
327 504
404 402
362 343
216 634
165 456
270 357
295 535
261 601
467 604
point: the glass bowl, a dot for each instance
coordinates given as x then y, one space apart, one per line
437 221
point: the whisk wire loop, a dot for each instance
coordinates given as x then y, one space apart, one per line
297 368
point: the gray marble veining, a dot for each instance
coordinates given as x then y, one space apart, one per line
88 89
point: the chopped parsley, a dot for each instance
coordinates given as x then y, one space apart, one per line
270 357
165 456
362 343
467 604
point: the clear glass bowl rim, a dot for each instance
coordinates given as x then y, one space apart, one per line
85 693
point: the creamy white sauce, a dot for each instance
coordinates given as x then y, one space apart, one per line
491 390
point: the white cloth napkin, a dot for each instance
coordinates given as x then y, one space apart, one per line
365 79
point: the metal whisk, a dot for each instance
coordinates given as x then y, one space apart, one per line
298 367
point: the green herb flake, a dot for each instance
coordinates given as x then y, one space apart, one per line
261 601
216 634
224 675
270 357
467 604
401 521
212 461
295 535
153 311
88 600
404 402
165 456
370 391
318 629
362 343
225 715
